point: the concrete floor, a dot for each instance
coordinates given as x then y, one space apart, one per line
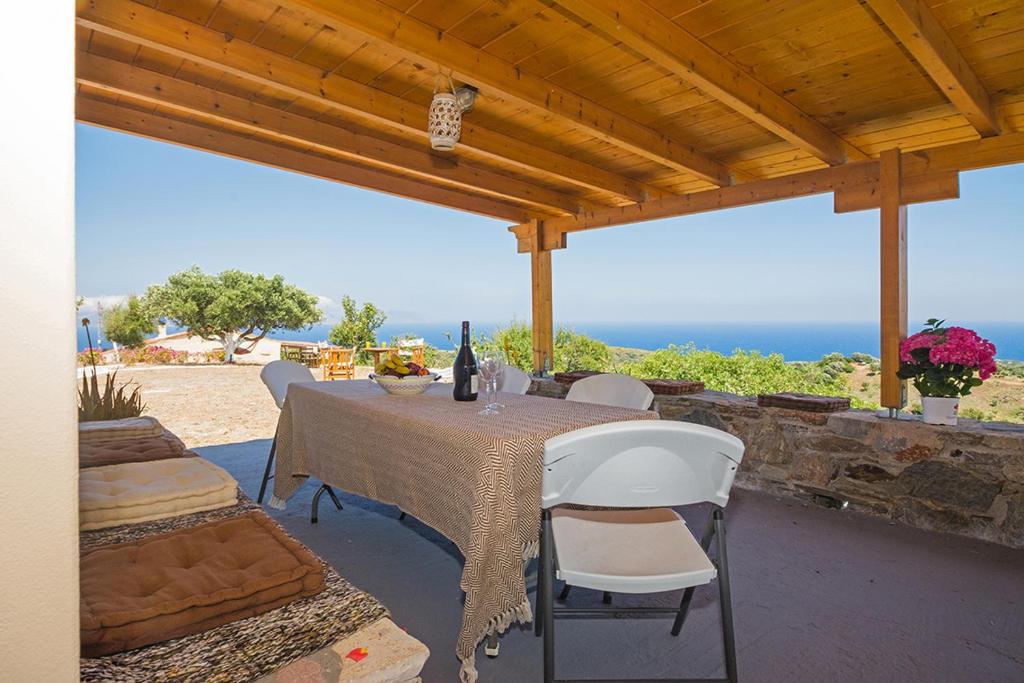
818 595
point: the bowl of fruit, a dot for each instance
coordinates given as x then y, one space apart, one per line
400 378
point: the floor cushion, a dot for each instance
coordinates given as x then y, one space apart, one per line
126 428
141 491
190 580
140 449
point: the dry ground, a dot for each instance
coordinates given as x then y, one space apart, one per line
207 405
1001 398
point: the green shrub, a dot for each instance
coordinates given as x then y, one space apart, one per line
974 413
109 402
572 351
743 372
129 323
90 357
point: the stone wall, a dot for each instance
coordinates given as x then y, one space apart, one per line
967 479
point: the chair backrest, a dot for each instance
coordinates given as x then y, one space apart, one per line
612 389
411 343
278 374
514 380
640 463
335 356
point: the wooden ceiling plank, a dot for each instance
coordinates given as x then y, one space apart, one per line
133 22
421 41
152 87
921 33
653 35
289 159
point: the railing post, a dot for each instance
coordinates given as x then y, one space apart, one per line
893 261
542 319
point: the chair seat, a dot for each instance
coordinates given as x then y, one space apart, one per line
628 551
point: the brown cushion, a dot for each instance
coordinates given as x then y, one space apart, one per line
129 450
187 581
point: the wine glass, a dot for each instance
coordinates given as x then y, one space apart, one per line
489 366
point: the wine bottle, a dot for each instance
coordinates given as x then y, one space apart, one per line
465 371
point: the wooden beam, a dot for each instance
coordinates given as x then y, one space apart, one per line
175 36
644 29
233 145
159 89
893 290
542 317
420 41
962 156
744 194
921 33
916 189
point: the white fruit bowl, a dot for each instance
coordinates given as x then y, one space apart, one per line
404 386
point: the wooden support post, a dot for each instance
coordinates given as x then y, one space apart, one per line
542 318
894 276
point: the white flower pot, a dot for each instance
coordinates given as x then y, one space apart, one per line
939 410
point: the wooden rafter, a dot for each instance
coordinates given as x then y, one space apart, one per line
645 30
852 176
418 40
921 33
175 36
159 89
219 141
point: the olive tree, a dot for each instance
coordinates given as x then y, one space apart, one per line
233 308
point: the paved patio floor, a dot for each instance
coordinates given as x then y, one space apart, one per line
819 595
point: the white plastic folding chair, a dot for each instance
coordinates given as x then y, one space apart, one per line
277 375
514 380
644 466
612 389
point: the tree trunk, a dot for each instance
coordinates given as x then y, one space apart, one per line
230 343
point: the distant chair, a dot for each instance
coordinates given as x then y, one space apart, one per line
514 380
634 543
415 348
277 375
306 354
612 389
338 363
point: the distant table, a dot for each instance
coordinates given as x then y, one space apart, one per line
379 351
474 478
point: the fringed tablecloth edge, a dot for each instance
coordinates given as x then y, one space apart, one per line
521 613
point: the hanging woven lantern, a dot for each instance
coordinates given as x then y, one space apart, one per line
445 120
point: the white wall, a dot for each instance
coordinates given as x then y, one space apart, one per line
38 452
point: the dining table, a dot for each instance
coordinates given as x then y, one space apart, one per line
474 478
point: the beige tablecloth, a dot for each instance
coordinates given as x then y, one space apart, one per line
474 478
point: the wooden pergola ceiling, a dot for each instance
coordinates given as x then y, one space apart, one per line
591 112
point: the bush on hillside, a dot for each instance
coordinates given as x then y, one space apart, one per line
744 372
572 351
129 323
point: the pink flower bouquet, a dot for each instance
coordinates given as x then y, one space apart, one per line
942 361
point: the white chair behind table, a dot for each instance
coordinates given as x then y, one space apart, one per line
638 464
277 375
612 389
514 380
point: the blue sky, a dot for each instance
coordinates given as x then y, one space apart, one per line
147 209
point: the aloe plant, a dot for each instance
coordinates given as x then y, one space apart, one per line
109 403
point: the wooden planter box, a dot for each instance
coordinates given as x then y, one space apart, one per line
664 387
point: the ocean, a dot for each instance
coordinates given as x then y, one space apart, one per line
795 341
